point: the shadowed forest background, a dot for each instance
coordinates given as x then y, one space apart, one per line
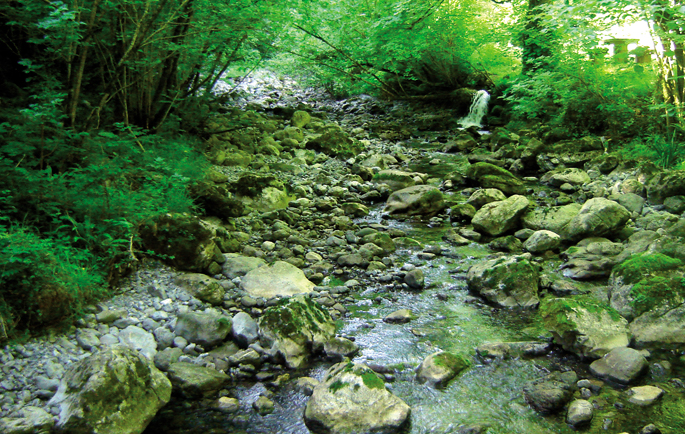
105 106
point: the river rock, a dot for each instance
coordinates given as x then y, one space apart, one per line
661 328
139 340
484 196
490 176
208 329
621 365
87 339
644 395
279 279
580 412
338 348
194 381
115 391
558 177
415 279
184 240
300 119
550 218
439 368
395 179
591 258
584 326
245 329
549 394
356 210
596 218
34 420
506 282
202 287
401 316
296 329
496 218
666 184
336 143
423 200
237 266
382 240
542 241
353 399
492 350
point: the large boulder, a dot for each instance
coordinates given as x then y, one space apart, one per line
496 218
202 287
237 265
207 329
395 179
551 219
417 200
666 184
295 329
597 217
195 381
551 393
185 241
34 420
506 282
279 279
584 326
622 365
335 143
643 282
139 340
115 391
439 368
591 258
571 175
490 176
353 399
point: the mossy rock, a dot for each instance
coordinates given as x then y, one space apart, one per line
295 329
441 367
395 179
252 184
506 282
491 176
584 325
638 267
336 143
382 240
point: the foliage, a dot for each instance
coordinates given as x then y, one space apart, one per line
400 47
133 61
44 280
663 151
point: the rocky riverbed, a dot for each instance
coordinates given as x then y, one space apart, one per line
367 266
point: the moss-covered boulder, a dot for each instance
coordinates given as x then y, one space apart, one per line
591 258
296 329
597 217
114 391
642 282
395 179
203 328
439 368
649 289
506 282
354 209
584 326
666 184
423 200
278 279
353 399
462 212
484 196
382 240
571 175
490 176
497 218
183 240
549 218
542 241
551 393
335 143
202 287
194 381
300 118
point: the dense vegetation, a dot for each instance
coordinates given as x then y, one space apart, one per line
104 103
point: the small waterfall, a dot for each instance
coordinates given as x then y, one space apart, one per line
478 108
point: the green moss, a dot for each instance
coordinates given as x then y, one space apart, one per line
372 381
556 312
337 385
640 266
656 290
449 361
290 317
